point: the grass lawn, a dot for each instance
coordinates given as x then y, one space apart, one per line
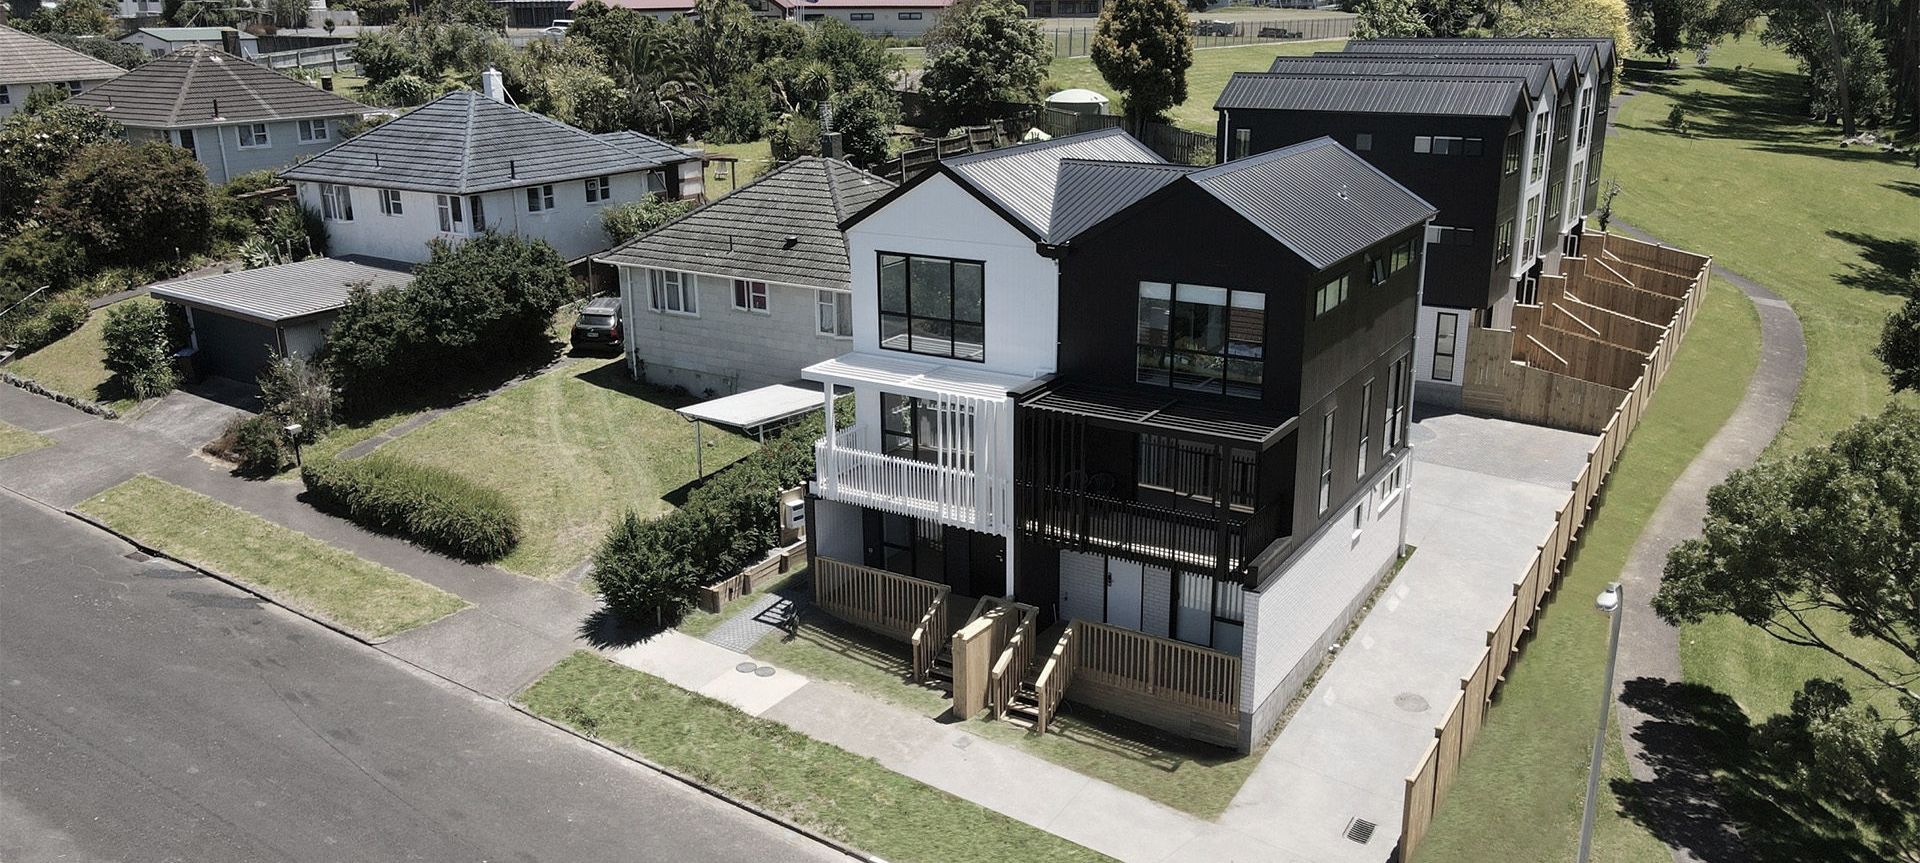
755 158
73 365
1208 76
1192 777
1521 787
358 595
846 796
573 447
699 623
15 440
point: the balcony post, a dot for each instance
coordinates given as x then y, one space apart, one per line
1223 488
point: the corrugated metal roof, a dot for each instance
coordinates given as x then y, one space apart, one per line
286 291
1090 191
1587 53
1317 198
1539 75
189 34
746 234
1431 96
199 86
28 59
757 407
1023 179
464 142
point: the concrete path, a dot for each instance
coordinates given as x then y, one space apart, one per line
742 631
1673 790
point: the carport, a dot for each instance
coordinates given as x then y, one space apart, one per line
240 320
752 412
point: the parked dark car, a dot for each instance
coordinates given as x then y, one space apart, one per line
598 327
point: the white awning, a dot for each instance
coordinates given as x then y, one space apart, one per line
757 408
916 377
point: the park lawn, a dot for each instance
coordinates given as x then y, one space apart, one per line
75 364
1193 777
848 797
15 440
573 447
1521 786
1205 79
357 595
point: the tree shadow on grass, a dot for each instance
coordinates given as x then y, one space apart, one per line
1886 266
449 389
1719 795
1904 187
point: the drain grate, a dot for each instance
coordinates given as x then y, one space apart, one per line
1360 830
138 557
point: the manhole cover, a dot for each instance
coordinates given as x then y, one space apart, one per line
764 671
963 741
747 667
1410 702
1360 830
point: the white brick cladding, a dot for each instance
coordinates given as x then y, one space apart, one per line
1083 586
1291 623
1156 601
724 349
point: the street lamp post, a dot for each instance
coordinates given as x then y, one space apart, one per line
1609 604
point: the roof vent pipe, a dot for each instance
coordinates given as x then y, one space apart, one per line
493 85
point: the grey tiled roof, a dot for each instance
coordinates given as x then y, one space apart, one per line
1022 179
1090 191
746 234
198 86
1317 198
1432 96
286 291
28 59
1538 74
464 142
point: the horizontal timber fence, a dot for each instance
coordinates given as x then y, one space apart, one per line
1426 787
777 564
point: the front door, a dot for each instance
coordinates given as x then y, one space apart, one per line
1123 593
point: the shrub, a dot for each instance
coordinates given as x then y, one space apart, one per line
428 505
254 443
296 392
1677 119
626 221
133 203
60 317
139 340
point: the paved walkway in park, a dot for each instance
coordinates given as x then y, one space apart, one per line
1675 790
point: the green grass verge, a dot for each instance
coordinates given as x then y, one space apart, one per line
358 595
15 440
848 797
1189 776
74 365
699 623
573 448
1207 77
1521 787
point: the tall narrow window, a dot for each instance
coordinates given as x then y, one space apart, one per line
1446 327
478 212
1575 182
1242 143
1326 462
1366 419
1197 337
1531 233
6 94
836 314
185 140
1396 406
933 306
925 430
1510 164
1503 242
1586 116
1539 154
453 218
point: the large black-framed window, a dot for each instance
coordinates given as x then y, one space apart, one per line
1201 338
933 306
924 431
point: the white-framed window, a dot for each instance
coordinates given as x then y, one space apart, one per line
673 292
1539 156
1331 295
390 203
539 198
1503 241
750 296
1326 462
1586 115
312 130
1445 327
253 135
1531 233
1575 182
6 94
836 313
1391 485
453 217
598 189
1366 415
336 202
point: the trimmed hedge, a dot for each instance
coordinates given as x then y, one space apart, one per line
428 505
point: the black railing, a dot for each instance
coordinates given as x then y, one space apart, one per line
1145 532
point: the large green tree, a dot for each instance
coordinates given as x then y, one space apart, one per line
1666 27
35 147
132 203
75 17
1566 18
1899 347
1389 19
495 292
982 53
1842 53
1143 49
1794 545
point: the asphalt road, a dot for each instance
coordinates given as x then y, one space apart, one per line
148 713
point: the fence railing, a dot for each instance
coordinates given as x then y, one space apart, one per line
334 58
928 637
1011 665
888 603
1151 534
1427 786
1055 676
901 485
1162 669
1078 41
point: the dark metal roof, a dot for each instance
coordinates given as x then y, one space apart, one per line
1540 75
1430 96
284 292
1022 180
1089 191
1165 413
29 59
464 142
783 227
199 86
1317 198
1588 54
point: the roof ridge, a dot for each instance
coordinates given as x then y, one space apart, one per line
833 190
192 61
466 143
1033 146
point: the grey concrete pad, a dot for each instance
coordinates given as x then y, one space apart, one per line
191 419
1499 448
480 651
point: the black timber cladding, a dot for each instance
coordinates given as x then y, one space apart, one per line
198 86
783 227
1434 96
464 142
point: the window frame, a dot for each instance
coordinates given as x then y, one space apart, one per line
477 213
263 138
1338 288
751 296
1327 427
909 316
1511 158
6 94
835 307
1366 419
336 202
1363 142
1446 332
1540 140
860 16
1397 391
1225 384
451 212
682 287
910 16
598 188
540 198
1503 242
302 128
391 204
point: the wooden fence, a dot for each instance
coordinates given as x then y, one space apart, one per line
888 603
776 564
1168 684
332 58
1174 144
1427 785
1055 676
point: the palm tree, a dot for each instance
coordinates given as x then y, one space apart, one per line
657 77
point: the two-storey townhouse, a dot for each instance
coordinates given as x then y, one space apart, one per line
29 63
465 164
234 116
1211 467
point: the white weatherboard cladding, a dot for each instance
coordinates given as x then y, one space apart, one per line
941 219
1426 331
724 349
572 227
1528 186
1290 623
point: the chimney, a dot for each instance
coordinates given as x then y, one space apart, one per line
493 85
830 146
230 41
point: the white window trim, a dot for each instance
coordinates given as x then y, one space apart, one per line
339 194
832 299
685 284
598 189
391 204
301 128
266 136
766 296
544 193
